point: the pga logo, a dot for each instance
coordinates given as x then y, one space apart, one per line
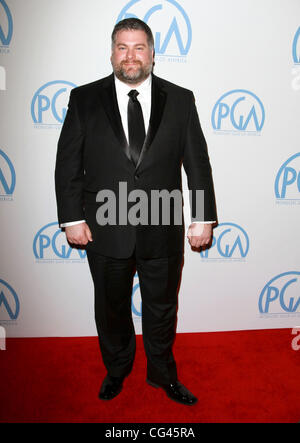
50 243
287 182
7 176
49 103
296 47
230 242
296 60
9 302
136 304
169 22
238 110
6 24
281 294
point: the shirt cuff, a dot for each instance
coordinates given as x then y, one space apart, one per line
204 222
65 225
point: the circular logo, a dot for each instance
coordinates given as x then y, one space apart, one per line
238 110
281 294
168 21
49 103
287 183
9 302
230 242
296 47
7 176
50 244
6 25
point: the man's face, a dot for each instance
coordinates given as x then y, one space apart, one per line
132 58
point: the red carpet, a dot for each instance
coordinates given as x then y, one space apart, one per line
245 376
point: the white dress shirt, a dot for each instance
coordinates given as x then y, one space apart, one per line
144 97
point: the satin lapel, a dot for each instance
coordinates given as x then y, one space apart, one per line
157 108
110 105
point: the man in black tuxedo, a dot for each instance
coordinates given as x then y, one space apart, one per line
136 130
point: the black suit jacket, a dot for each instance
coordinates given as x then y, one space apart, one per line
93 155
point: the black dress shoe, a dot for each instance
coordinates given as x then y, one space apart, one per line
111 387
177 392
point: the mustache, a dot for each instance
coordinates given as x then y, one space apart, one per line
137 62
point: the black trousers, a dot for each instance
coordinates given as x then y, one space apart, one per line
159 282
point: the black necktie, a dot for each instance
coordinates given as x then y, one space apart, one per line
136 126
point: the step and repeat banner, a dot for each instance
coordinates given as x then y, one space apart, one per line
242 61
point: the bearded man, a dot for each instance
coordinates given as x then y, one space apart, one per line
136 129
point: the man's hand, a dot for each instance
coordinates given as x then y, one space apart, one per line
199 234
79 234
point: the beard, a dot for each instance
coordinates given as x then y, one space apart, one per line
133 75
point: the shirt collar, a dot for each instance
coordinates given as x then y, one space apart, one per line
143 88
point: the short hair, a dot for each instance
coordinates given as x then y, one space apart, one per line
133 24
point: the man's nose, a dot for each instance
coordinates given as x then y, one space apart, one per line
130 53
